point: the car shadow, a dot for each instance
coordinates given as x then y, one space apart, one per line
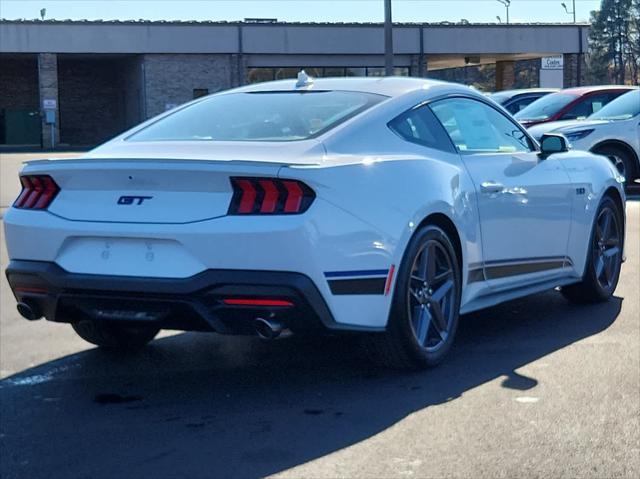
195 405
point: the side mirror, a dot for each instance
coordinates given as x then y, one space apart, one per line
551 143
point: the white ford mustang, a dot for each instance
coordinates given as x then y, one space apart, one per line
383 206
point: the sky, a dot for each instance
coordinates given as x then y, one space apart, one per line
299 10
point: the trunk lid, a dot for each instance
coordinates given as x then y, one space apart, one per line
170 182
145 191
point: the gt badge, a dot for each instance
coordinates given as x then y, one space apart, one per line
133 200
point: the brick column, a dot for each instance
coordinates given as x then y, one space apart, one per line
415 65
505 75
238 69
572 63
48 85
169 79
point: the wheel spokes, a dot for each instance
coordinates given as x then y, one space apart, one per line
432 265
606 225
431 289
611 252
599 266
441 292
612 242
440 323
606 247
422 264
422 327
415 295
609 264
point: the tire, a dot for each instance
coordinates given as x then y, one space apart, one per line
621 159
424 317
114 336
604 257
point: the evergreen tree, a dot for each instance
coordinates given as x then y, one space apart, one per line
613 42
599 57
635 42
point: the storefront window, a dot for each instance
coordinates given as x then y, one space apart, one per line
356 72
375 71
256 75
334 72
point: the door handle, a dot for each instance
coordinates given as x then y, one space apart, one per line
491 187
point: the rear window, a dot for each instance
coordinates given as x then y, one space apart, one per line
259 116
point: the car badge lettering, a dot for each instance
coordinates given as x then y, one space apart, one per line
133 200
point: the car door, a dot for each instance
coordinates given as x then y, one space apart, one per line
524 201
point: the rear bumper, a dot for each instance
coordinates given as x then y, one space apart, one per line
196 303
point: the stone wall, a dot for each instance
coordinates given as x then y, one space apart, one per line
92 100
132 87
170 79
571 70
48 84
505 75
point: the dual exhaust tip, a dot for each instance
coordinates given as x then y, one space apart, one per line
267 328
29 310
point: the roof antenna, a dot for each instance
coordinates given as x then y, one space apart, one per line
303 79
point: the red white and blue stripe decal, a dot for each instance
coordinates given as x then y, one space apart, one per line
370 281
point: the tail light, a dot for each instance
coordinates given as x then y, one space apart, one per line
38 191
269 196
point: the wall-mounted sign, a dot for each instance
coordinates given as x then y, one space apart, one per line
49 104
553 63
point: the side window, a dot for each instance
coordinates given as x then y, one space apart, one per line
420 126
477 128
588 106
520 104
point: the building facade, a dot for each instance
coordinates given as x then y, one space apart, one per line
78 83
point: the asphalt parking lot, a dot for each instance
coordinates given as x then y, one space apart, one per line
533 388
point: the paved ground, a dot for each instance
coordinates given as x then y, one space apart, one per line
534 388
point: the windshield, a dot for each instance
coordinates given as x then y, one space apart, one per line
545 107
259 116
622 108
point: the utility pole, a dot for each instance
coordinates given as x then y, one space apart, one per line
573 12
388 39
507 4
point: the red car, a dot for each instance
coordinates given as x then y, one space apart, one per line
569 104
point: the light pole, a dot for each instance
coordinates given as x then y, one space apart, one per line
573 12
507 4
388 39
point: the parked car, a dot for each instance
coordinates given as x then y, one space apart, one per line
613 132
515 100
379 206
569 104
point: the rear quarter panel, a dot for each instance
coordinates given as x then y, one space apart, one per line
393 185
